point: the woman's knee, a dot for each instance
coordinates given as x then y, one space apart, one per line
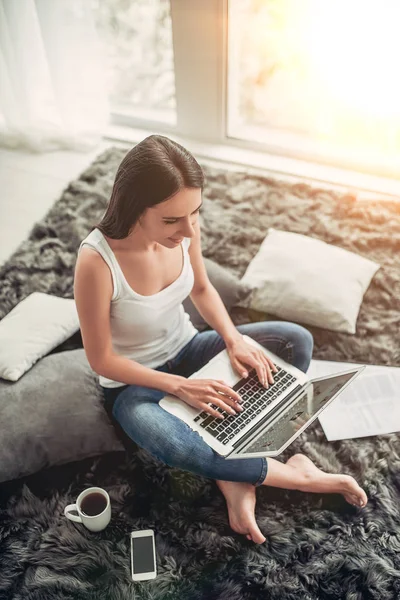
164 436
288 340
300 347
137 417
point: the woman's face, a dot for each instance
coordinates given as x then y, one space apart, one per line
169 222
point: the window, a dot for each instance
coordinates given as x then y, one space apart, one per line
316 79
310 79
137 37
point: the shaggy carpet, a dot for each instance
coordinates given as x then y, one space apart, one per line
318 547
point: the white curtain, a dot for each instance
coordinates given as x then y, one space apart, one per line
52 75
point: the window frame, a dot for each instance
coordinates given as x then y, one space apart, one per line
200 36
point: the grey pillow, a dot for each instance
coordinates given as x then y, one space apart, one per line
52 415
231 290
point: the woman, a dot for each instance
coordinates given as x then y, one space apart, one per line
132 274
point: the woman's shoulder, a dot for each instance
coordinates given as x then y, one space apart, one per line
92 272
89 260
91 253
93 264
93 238
93 247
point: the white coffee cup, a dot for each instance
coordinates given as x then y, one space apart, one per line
95 522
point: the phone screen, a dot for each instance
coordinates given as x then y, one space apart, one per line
142 554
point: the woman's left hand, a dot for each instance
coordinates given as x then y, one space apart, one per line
243 355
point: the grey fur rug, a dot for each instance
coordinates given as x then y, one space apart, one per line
318 547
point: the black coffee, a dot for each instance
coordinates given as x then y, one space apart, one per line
93 504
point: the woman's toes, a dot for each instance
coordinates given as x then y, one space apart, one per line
257 536
354 494
363 498
352 499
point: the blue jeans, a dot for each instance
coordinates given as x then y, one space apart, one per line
136 411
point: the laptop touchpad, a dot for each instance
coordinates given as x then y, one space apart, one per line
218 369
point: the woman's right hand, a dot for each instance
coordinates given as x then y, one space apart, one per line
201 393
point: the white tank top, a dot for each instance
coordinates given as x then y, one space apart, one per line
147 329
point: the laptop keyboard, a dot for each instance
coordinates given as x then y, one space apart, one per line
255 398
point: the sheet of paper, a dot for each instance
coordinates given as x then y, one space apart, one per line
370 405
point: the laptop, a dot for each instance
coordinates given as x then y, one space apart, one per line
272 417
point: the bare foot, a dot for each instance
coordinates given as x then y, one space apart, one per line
241 502
327 482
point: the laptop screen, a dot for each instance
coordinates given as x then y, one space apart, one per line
275 435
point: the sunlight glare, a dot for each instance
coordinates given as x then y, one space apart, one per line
352 46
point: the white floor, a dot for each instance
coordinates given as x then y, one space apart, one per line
30 184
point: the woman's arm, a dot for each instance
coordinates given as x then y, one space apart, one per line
206 298
93 292
209 304
128 371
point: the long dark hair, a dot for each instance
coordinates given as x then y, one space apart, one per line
153 171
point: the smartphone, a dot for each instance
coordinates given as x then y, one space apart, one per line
143 555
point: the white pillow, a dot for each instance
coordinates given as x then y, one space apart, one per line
35 326
302 279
